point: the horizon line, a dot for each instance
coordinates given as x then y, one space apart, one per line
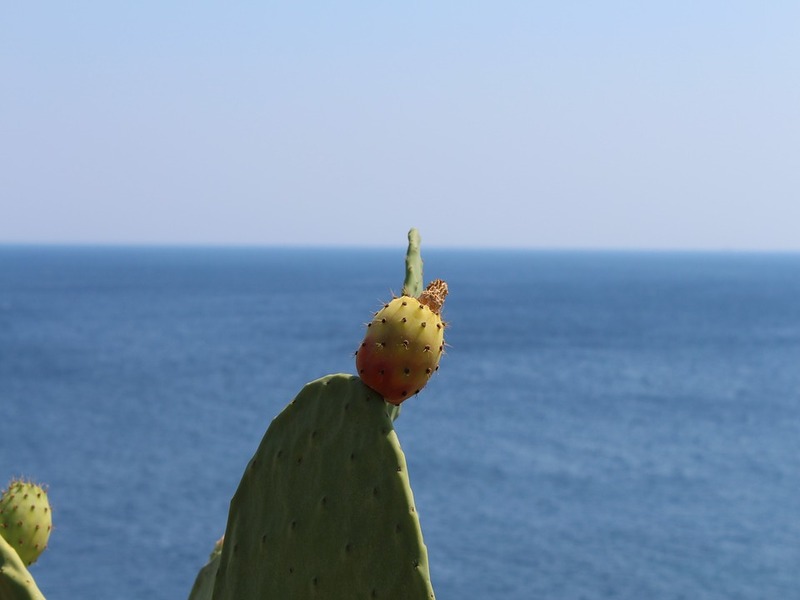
428 246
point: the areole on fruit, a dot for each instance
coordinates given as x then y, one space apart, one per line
403 344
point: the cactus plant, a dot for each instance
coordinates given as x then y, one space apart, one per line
325 508
203 587
25 519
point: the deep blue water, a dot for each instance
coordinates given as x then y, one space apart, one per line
604 425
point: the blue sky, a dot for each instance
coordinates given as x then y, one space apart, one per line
524 124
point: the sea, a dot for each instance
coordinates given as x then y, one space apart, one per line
604 425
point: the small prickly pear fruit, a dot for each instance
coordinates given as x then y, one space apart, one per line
25 519
403 344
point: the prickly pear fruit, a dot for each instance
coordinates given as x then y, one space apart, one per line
403 344
25 519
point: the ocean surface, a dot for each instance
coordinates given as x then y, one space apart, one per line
603 425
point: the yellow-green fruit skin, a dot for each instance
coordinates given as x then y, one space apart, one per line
401 349
25 519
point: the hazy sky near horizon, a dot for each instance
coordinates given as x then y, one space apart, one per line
525 124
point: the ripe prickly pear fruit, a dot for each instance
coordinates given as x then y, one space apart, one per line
403 344
25 519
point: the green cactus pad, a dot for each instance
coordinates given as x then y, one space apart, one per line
25 519
412 285
16 582
203 587
325 509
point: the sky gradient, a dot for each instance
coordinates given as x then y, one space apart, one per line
508 124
